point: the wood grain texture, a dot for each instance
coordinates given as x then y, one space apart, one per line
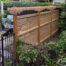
15 36
18 10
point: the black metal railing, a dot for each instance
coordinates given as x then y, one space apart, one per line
7 48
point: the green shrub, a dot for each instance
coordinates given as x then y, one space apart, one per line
24 4
62 25
19 4
5 13
0 16
47 54
62 41
63 14
33 55
62 62
45 4
62 21
25 55
62 46
51 54
11 4
63 6
63 35
29 55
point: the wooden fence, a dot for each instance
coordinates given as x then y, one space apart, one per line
34 28
37 27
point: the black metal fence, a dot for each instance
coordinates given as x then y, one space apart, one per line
7 49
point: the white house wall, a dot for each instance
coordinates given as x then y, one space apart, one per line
58 1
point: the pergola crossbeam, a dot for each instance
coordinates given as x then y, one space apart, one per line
18 10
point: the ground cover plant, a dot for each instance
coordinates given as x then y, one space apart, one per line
46 54
37 55
62 21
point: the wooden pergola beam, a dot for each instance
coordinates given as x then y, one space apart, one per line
18 10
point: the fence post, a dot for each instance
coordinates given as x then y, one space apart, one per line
38 27
2 51
15 36
51 22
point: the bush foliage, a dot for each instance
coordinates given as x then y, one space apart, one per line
62 21
37 55
25 4
46 54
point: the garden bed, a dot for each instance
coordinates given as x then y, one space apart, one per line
47 53
52 38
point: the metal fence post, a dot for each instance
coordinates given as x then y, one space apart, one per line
2 51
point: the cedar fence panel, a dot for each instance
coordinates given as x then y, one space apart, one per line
28 26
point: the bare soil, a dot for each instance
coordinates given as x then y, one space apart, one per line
53 38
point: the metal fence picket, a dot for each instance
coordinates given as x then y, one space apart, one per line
7 48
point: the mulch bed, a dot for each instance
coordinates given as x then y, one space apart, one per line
52 38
